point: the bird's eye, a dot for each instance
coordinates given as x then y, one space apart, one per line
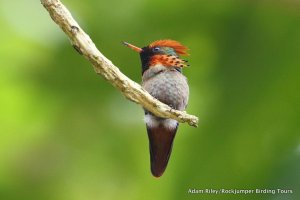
156 49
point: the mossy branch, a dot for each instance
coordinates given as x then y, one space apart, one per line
104 67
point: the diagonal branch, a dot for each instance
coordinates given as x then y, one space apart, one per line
104 67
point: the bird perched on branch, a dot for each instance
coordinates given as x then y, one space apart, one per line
162 77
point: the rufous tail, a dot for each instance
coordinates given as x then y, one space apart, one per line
160 144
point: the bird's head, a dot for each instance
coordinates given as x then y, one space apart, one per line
163 52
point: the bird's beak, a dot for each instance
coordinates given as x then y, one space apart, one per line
137 49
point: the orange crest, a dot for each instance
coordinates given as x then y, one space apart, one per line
178 47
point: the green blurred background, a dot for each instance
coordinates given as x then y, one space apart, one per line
66 134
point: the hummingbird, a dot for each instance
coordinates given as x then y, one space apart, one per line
162 77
